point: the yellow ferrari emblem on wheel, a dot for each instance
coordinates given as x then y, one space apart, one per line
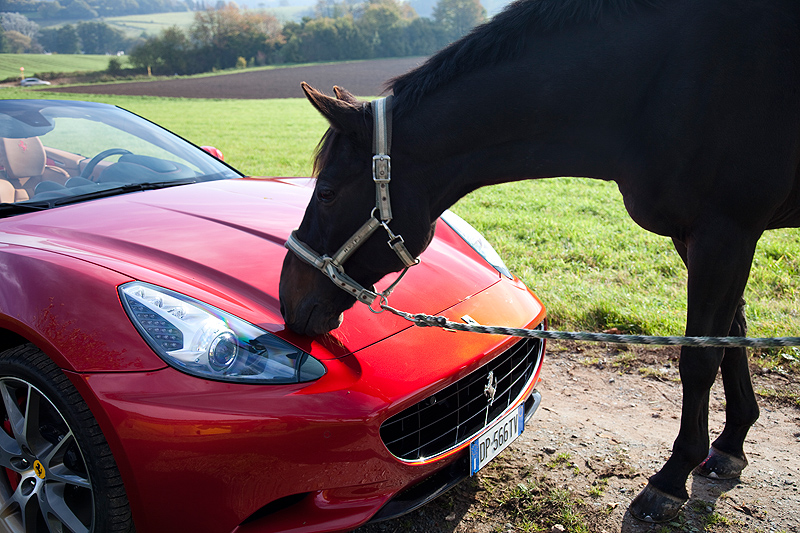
39 469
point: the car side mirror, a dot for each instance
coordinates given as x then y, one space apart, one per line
216 152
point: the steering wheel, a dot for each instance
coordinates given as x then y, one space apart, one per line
89 168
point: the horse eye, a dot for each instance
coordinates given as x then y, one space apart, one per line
326 195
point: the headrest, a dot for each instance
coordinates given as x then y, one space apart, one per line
22 158
7 192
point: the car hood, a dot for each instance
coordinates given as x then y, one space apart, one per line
222 242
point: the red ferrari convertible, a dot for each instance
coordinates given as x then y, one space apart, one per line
148 380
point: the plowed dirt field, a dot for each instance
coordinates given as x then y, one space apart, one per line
362 78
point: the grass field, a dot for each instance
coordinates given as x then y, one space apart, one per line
35 63
153 24
287 13
569 239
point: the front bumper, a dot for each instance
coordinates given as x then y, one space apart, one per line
431 488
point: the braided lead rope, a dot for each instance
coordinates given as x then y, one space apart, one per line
423 320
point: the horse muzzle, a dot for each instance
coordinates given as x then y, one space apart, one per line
310 304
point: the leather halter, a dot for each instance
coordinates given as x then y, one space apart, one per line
333 267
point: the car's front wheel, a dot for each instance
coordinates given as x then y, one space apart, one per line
56 469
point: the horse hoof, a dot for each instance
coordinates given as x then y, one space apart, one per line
653 505
721 465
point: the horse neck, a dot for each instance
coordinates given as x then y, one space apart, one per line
464 146
558 110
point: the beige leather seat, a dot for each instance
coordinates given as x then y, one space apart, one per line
25 163
7 193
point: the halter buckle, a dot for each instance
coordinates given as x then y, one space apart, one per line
381 168
382 175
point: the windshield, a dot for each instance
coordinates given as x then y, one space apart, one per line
58 152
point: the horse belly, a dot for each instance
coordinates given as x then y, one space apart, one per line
788 215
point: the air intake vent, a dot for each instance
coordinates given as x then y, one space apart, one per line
460 411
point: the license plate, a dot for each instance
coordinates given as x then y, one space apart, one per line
496 439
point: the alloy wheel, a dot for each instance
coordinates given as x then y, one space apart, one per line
46 484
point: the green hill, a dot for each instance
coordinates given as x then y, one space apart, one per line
135 25
36 63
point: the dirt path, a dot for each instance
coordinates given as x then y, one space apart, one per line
362 78
607 422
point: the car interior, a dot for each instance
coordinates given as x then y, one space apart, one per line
30 171
25 166
53 153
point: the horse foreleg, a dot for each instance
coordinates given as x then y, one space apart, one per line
666 493
718 266
727 459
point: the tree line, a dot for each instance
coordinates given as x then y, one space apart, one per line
19 35
91 9
228 37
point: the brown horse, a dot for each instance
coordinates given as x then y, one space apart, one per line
691 106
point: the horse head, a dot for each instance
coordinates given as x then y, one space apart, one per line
333 232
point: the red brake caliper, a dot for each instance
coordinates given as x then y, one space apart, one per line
13 477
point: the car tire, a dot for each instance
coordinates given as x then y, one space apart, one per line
57 472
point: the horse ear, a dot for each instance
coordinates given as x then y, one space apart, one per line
342 115
345 95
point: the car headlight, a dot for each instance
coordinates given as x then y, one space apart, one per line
206 342
477 241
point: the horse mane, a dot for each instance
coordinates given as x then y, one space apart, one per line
500 39
324 151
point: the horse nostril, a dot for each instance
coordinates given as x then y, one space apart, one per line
336 321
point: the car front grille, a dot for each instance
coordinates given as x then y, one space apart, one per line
460 411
